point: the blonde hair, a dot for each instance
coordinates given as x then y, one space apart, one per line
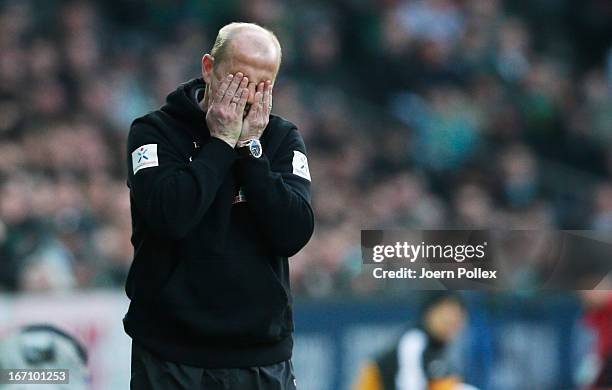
226 33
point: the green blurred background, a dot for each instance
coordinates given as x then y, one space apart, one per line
416 114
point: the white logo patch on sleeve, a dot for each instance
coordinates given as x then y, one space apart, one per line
145 157
300 165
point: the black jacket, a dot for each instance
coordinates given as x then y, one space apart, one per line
209 285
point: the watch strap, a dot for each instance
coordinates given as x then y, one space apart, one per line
244 148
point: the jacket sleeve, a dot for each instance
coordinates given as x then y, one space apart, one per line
278 195
171 193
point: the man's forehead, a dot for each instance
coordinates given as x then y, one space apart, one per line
255 67
254 61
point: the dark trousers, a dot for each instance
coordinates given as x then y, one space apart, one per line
152 373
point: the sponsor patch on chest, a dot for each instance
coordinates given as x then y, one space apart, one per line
240 197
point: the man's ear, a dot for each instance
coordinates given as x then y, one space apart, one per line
207 67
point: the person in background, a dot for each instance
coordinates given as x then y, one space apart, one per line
418 360
598 316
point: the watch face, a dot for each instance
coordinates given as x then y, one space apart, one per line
255 148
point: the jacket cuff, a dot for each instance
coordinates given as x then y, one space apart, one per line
216 155
255 174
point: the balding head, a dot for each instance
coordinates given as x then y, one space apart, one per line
238 39
242 47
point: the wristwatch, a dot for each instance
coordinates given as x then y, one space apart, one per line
249 148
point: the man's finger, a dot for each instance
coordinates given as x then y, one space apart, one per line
232 88
243 84
257 105
252 88
258 99
222 88
267 97
242 102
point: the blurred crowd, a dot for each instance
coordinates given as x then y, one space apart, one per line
415 113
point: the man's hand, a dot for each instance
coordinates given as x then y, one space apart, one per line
257 119
225 112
